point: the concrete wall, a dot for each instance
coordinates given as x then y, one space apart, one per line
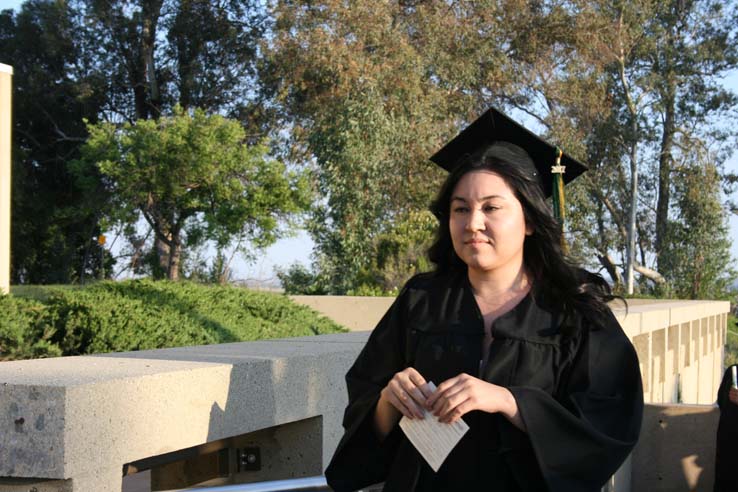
73 423
680 348
6 87
676 451
354 312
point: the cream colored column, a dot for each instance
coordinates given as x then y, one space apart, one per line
6 84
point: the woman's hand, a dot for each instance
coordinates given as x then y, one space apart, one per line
405 394
733 395
464 393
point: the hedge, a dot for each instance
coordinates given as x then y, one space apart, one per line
143 314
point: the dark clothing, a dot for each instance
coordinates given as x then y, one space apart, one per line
579 395
726 449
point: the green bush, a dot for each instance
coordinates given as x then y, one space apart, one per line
731 344
143 314
23 334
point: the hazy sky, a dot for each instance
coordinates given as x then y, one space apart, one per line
298 249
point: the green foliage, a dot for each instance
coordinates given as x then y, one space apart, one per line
697 260
370 90
53 219
393 256
660 67
297 279
23 333
119 61
731 345
143 314
193 179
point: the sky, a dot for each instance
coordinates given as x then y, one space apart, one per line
299 248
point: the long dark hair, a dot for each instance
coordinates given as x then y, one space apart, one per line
564 283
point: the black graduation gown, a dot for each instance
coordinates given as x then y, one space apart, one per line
726 449
579 395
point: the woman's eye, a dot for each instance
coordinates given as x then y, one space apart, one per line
490 208
460 210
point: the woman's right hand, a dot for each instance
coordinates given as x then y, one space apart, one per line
733 395
407 392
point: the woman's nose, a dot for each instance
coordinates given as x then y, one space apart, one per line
475 221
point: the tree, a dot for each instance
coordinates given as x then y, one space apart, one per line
118 61
54 221
660 65
697 261
159 53
369 91
192 178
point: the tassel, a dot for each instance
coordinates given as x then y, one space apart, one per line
557 194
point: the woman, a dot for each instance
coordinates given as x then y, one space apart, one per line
520 344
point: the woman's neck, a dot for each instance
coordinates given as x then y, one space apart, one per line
499 285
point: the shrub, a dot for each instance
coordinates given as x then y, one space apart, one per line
142 314
23 334
731 344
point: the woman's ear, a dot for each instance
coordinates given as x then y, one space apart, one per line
528 229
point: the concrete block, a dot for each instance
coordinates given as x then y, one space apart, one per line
32 419
34 485
68 417
353 312
642 344
658 364
630 323
676 449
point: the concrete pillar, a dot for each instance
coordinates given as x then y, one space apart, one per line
6 85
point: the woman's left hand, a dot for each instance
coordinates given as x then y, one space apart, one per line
464 393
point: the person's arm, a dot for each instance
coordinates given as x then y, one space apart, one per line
583 434
361 457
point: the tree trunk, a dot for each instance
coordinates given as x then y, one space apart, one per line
650 274
665 164
162 253
633 112
175 254
612 270
151 11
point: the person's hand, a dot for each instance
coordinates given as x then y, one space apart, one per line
464 393
407 391
733 395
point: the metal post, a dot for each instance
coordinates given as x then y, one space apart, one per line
6 85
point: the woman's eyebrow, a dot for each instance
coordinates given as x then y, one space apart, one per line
488 197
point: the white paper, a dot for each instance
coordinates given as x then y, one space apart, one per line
433 439
735 377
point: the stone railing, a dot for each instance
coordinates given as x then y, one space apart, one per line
268 410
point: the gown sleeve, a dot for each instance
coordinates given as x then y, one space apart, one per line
360 458
582 435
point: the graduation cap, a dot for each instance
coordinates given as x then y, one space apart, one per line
546 163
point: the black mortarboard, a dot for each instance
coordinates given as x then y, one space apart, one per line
494 127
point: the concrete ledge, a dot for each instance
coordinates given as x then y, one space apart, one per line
84 417
356 313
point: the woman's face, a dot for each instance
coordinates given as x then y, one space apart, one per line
487 224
